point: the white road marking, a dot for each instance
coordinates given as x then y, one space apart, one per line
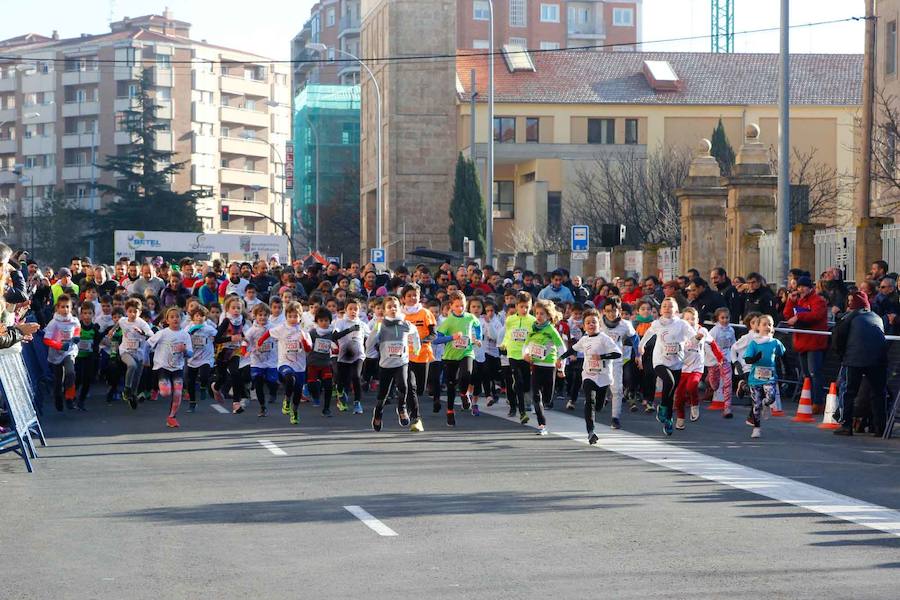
679 459
371 522
271 447
219 408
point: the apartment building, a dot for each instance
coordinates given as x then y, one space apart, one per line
226 113
335 23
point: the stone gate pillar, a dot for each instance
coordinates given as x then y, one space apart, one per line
703 201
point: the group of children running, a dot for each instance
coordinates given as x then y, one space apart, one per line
473 349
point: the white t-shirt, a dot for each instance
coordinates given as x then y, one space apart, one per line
671 335
593 347
134 335
352 346
695 351
263 356
623 331
291 351
170 348
202 344
724 337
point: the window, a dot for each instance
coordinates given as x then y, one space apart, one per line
130 57
550 13
623 17
554 213
480 44
163 61
890 49
549 45
505 129
329 18
532 130
30 131
250 104
132 90
481 10
80 96
224 131
519 43
249 134
631 131
163 93
30 162
579 16
517 15
504 199
601 131
224 163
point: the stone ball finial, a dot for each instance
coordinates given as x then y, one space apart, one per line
752 132
704 147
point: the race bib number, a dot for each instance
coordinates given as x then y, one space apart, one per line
593 364
265 348
292 347
461 343
114 347
671 349
394 349
536 351
198 342
519 335
765 373
85 345
130 345
322 346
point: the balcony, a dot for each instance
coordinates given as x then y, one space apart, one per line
39 82
204 144
204 113
8 178
123 103
244 146
78 109
79 140
244 178
244 87
305 60
349 26
8 84
231 114
8 146
78 172
205 176
8 115
81 77
161 77
587 31
127 73
204 80
349 69
122 138
163 109
39 145
41 176
165 141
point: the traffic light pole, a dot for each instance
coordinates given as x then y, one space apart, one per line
274 222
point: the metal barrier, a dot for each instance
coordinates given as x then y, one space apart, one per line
836 248
890 245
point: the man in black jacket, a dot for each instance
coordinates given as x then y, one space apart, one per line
704 300
858 339
720 281
757 297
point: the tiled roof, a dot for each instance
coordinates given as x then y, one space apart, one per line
590 77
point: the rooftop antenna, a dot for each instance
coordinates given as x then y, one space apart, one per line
112 11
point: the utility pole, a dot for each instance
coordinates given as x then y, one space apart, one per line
783 222
866 227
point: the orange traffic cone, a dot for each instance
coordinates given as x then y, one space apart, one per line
777 409
804 409
828 421
716 404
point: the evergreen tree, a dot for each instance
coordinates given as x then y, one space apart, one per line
722 150
466 208
144 196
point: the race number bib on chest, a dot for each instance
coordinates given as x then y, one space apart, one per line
395 349
292 346
461 343
671 349
130 345
537 351
593 364
265 348
519 335
198 342
322 346
85 345
765 373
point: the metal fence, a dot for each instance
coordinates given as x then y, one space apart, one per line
890 245
836 248
768 256
667 263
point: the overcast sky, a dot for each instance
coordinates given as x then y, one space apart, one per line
266 27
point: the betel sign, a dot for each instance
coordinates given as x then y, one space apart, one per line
580 238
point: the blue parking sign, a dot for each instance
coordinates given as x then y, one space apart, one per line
378 255
580 238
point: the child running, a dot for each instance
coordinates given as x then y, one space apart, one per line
88 348
543 345
351 350
622 333
263 358
761 354
135 332
293 344
201 361
171 346
229 336
692 368
459 331
62 336
319 376
719 375
419 362
516 332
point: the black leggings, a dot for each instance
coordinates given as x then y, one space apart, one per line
542 381
456 375
520 372
64 381
594 396
228 373
669 380
85 370
491 375
416 379
195 374
349 376
260 383
435 370
387 376
573 378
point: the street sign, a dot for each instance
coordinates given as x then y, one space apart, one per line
334 259
580 238
378 255
579 256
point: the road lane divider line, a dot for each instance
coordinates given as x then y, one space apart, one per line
761 483
220 409
371 522
272 447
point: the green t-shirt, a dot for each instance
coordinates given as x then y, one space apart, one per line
465 324
517 330
543 344
86 344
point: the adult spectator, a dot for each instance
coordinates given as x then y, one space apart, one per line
859 340
886 304
793 276
878 271
581 293
147 281
189 275
528 284
652 289
263 281
704 300
631 291
14 287
370 285
105 286
672 289
310 280
332 272
10 335
64 285
835 290
807 310
734 302
556 291
756 296
40 294
174 294
208 293
235 284
75 267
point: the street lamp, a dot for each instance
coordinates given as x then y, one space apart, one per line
275 104
319 47
489 192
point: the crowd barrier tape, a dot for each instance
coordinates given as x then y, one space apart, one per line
17 387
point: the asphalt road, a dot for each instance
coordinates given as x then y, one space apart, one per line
121 507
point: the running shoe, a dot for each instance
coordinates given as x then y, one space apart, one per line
523 418
632 406
648 407
192 407
570 405
286 407
592 439
417 426
750 421
475 411
295 417
219 396
357 408
512 411
466 401
451 418
661 413
615 424
341 405
317 402
727 415
493 401
171 422
402 417
376 422
142 397
667 427
542 430
436 407
326 412
236 408
757 432
695 412
263 412
679 424
132 401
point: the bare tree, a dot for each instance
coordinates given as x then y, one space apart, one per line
821 185
635 190
532 241
884 153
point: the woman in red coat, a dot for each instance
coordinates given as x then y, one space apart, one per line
805 309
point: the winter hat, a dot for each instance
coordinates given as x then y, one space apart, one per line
857 300
64 272
804 281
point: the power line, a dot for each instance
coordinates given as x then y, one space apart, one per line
426 57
